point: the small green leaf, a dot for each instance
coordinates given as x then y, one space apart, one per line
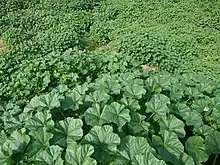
196 148
116 113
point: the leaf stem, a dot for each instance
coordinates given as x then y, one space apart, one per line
62 114
216 156
150 117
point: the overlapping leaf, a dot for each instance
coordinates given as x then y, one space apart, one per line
67 129
116 113
158 106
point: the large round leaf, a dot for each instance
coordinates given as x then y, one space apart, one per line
171 123
212 142
69 128
158 106
104 141
116 113
196 148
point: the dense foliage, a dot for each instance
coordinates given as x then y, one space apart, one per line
109 82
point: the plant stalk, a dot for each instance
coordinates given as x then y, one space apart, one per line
216 156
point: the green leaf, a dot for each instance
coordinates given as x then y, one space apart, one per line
39 142
116 113
47 102
40 120
134 91
147 159
130 104
193 118
51 155
196 148
158 106
79 154
103 139
137 125
186 160
97 97
131 146
72 101
169 147
203 130
69 128
18 141
212 142
108 86
171 123
93 115
5 159
3 137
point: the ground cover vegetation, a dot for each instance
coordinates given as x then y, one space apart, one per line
109 82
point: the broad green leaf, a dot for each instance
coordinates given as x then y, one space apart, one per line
196 148
69 128
108 86
5 159
97 97
47 102
137 125
169 147
212 142
39 142
194 119
216 115
40 120
131 146
134 91
18 141
180 109
79 155
130 104
3 137
192 92
147 159
116 113
72 101
171 123
93 115
51 155
103 139
203 130
81 89
186 160
158 106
